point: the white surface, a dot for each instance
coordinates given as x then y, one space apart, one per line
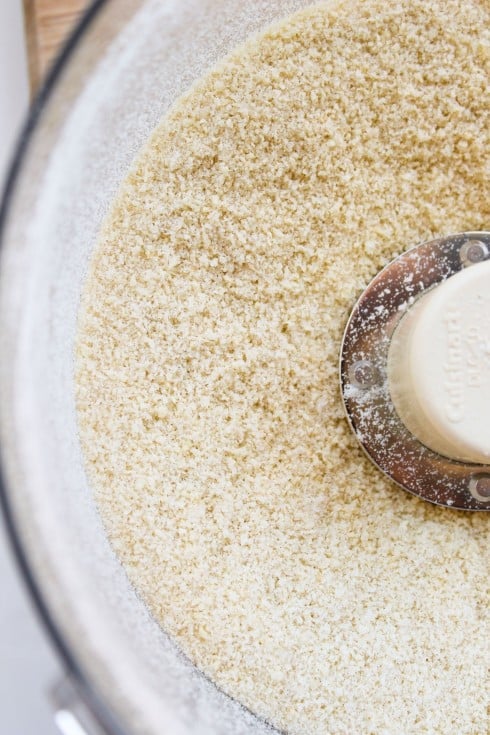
27 665
13 77
440 366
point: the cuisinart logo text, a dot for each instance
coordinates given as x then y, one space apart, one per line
462 367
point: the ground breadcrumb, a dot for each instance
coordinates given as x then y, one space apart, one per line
288 569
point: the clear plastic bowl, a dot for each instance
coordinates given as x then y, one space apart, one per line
122 69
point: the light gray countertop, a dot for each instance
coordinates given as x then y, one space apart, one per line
28 667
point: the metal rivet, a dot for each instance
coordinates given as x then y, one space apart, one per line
480 488
363 374
472 252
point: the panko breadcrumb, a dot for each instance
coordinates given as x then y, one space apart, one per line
287 568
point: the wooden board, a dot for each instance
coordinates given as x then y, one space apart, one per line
48 22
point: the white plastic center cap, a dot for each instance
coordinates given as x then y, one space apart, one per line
439 366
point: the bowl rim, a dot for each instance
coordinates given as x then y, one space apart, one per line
99 710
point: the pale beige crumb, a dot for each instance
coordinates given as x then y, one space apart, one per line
288 569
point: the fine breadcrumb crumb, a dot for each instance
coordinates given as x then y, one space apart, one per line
285 565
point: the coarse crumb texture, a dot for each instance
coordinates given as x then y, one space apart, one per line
285 565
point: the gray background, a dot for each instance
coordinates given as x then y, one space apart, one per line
28 667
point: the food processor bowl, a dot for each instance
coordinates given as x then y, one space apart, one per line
123 68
